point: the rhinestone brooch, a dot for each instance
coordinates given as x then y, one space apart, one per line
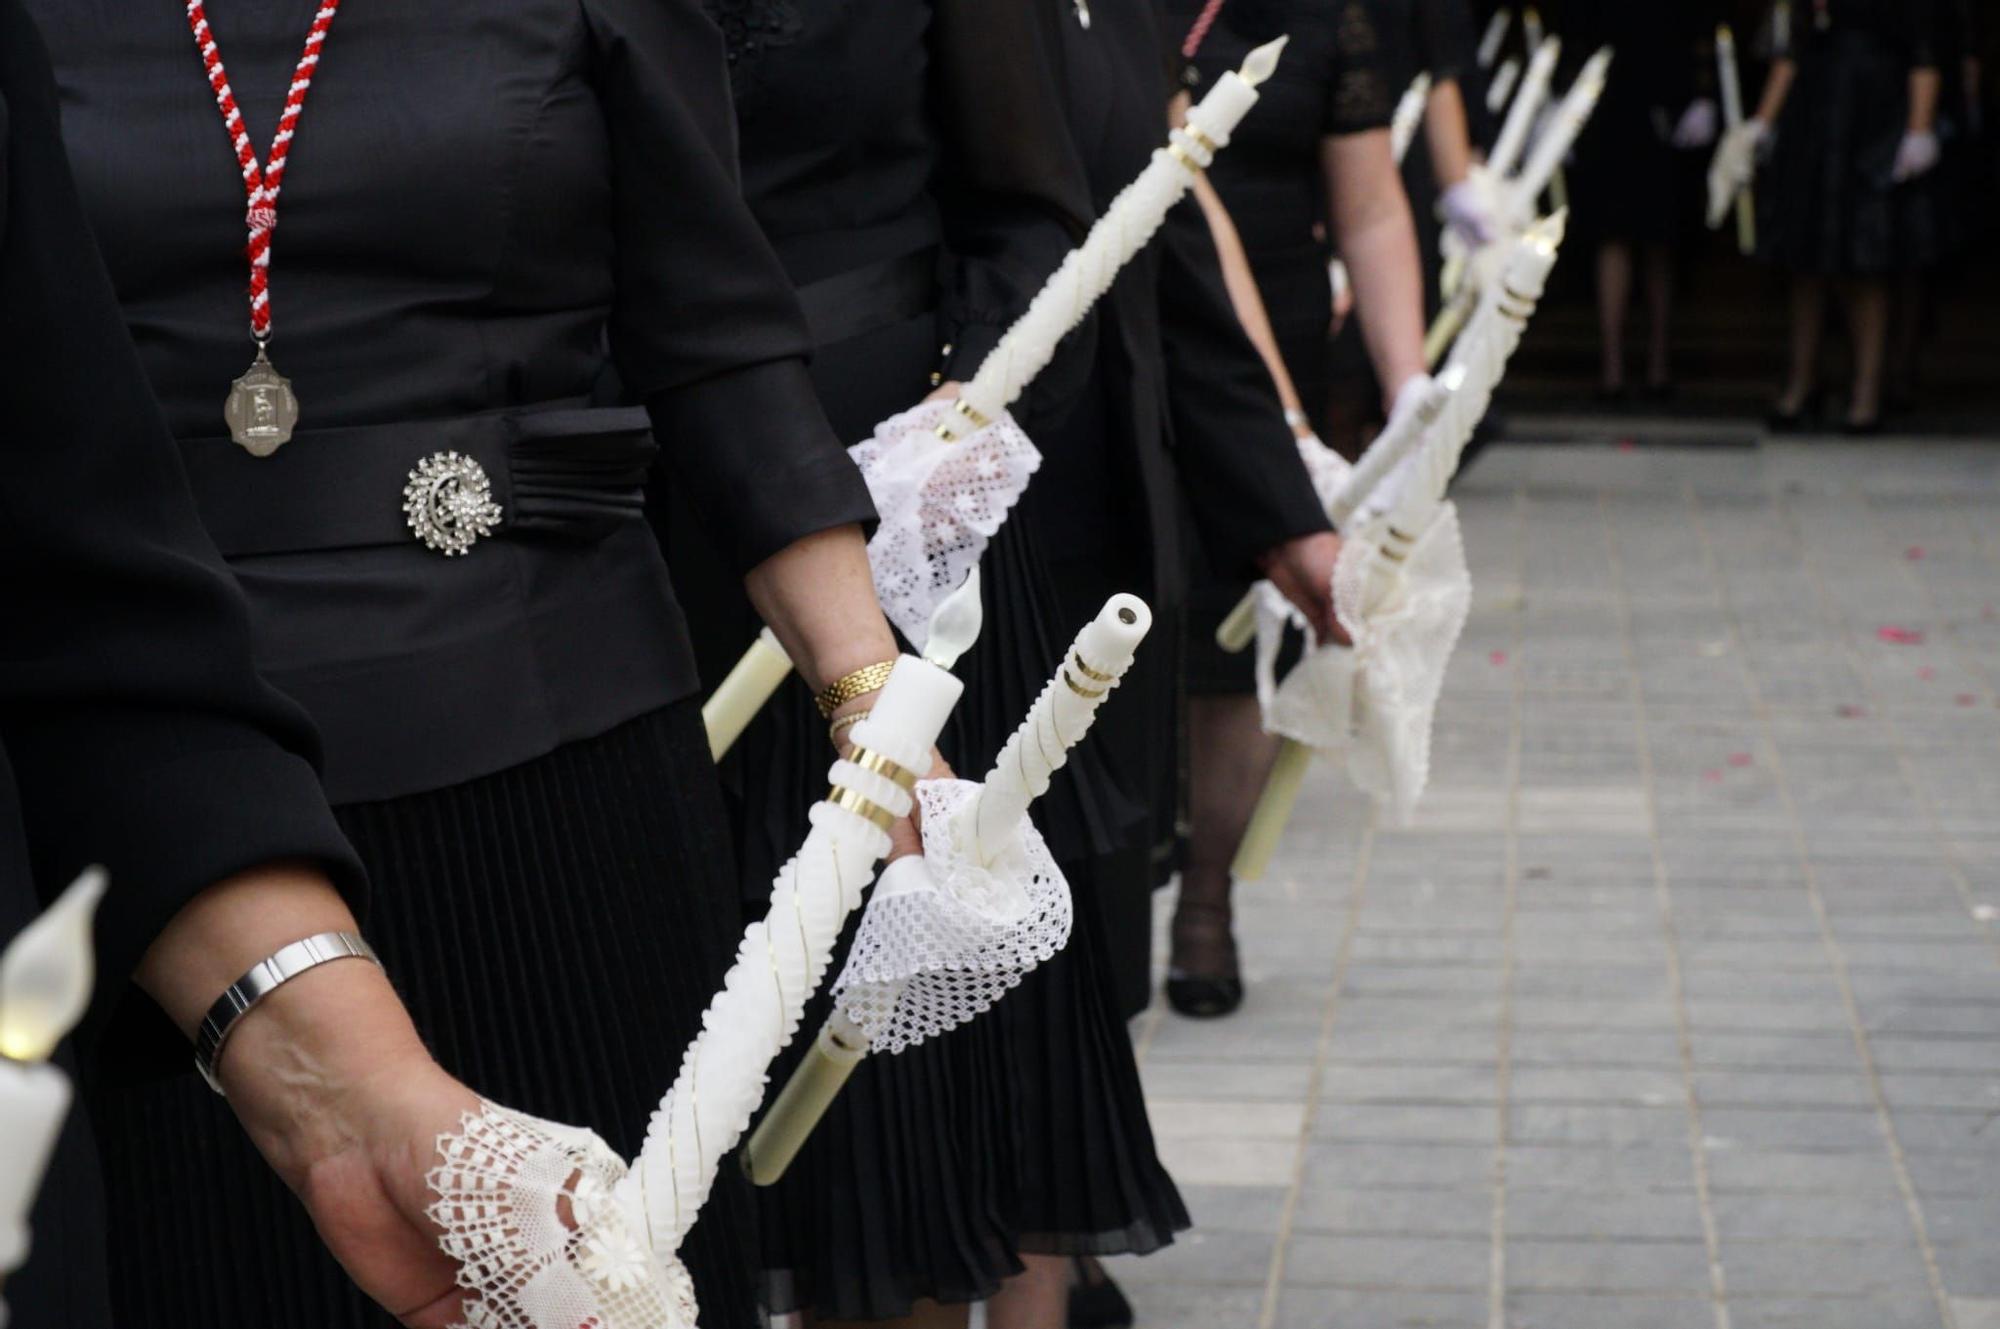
449 503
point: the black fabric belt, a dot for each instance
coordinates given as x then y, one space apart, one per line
565 471
865 299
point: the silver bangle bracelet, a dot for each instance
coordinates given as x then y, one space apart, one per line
264 978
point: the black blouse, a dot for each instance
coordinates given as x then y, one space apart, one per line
874 130
1333 80
501 219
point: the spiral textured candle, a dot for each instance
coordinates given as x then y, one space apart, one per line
1086 274
784 956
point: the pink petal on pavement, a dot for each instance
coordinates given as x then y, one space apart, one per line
1847 710
1966 699
1739 759
1712 776
1497 657
1927 673
1901 636
1914 552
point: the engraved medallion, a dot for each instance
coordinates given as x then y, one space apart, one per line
261 411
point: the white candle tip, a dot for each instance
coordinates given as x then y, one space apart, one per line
47 972
1547 234
1599 64
1261 63
956 623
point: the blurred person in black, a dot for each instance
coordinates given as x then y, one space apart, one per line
1633 177
1849 195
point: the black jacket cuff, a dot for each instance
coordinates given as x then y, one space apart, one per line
761 465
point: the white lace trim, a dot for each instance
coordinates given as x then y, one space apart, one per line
1373 706
939 503
929 958
527 1208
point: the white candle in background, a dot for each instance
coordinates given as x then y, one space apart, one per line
1495 34
1409 116
1571 115
1528 103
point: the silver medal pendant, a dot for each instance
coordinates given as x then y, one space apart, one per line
261 411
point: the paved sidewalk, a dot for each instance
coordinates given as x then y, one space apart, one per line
1680 1006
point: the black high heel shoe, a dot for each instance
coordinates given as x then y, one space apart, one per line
1795 422
1095 1302
1205 996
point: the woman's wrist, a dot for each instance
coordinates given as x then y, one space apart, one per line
302 1059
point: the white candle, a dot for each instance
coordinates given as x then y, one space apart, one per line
1502 86
1409 116
1731 81
45 980
1496 33
1534 92
743 692
1060 717
1571 115
33 1101
782 959
1124 229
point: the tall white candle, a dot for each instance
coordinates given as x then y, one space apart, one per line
1495 34
1125 228
1409 116
1730 79
782 959
1060 717
1571 115
1528 103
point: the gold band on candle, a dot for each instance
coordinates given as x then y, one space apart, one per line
1184 157
1088 694
868 760
1208 145
860 806
1094 675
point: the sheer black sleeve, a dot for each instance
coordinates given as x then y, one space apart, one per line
1239 465
139 733
704 326
1015 196
1358 96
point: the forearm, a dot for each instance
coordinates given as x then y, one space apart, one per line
292 1061
1243 294
818 597
1448 134
1776 89
1926 85
1378 240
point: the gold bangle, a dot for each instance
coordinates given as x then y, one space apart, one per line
849 686
843 724
870 760
861 807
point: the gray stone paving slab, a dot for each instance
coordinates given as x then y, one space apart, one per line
1678 1006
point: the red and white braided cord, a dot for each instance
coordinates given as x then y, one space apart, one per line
1199 31
261 182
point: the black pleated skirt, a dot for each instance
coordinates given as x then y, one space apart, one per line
556 930
1023 1131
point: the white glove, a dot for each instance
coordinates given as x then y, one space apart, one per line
1916 155
1698 125
1467 210
1734 166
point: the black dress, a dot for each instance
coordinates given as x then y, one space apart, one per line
1829 205
490 205
1181 444
133 730
1630 182
1335 78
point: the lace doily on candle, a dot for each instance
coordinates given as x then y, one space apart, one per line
939 502
935 953
527 1209
1372 706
